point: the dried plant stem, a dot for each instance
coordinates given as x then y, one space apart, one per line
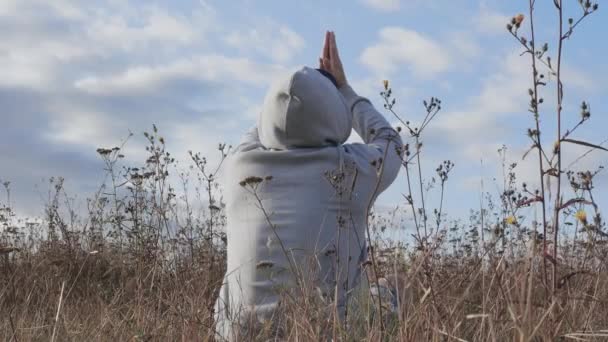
541 167
421 182
560 95
481 256
369 236
58 312
410 200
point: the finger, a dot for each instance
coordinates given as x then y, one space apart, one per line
326 64
324 48
326 45
321 66
333 48
330 45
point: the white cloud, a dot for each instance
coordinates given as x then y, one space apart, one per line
489 22
277 42
24 71
82 126
383 5
399 47
503 96
66 34
142 79
502 93
66 9
119 30
574 78
187 136
464 46
29 51
490 118
8 7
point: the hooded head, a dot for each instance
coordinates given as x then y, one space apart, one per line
304 109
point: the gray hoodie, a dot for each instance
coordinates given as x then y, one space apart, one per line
301 223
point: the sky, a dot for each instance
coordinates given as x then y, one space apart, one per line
76 75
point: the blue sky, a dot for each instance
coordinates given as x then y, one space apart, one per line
79 75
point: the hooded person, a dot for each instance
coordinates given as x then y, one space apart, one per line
297 200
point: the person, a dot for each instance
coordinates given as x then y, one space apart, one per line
297 197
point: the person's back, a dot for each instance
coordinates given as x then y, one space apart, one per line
297 198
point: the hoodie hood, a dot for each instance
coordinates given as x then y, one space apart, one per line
304 109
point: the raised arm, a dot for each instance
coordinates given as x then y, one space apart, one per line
381 140
249 141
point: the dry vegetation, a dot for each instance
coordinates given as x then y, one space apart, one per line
146 260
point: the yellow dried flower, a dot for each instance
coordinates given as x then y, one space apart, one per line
511 220
385 82
581 215
519 19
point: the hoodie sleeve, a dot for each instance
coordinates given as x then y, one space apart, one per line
249 141
381 141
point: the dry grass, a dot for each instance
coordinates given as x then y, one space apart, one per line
114 295
81 296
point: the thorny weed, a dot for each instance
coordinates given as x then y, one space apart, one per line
550 159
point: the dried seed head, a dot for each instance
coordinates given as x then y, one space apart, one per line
581 215
264 264
511 220
251 180
104 151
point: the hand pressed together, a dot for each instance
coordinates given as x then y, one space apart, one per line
330 59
